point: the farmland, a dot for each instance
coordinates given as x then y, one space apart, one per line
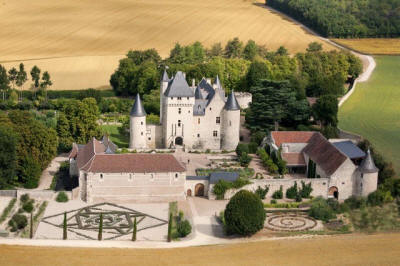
335 250
80 42
373 109
372 46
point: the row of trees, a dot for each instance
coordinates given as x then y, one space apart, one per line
345 18
239 67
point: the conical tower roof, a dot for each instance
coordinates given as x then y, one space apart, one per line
138 109
368 165
231 103
165 76
218 82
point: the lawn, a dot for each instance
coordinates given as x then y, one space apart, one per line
80 42
122 141
373 110
372 46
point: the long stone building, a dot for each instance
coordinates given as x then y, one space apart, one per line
193 117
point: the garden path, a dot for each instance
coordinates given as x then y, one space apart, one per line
47 176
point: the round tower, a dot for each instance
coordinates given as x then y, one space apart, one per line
137 124
368 175
231 123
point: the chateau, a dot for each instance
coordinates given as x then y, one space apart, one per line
199 117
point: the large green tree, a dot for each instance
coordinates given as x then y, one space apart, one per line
8 156
326 109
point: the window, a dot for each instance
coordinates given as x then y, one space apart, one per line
179 123
176 176
179 98
101 176
362 175
141 133
210 108
189 111
179 110
218 120
230 123
215 133
188 98
198 135
149 138
130 177
152 177
198 121
141 123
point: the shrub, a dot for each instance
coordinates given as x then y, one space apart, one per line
7 210
17 222
184 228
334 204
278 194
273 201
252 147
379 197
321 210
291 192
24 198
244 159
305 190
262 192
220 188
244 214
28 206
62 197
299 198
258 137
355 202
241 148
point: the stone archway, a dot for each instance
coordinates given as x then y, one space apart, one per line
189 193
199 190
179 141
333 192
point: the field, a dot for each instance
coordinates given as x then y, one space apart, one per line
373 110
372 46
80 42
336 250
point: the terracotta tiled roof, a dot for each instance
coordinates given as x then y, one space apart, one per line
133 163
280 137
324 154
294 158
74 151
88 151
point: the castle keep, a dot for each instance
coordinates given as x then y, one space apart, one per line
199 117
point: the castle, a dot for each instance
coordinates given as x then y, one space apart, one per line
192 117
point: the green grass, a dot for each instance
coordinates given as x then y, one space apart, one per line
122 141
373 110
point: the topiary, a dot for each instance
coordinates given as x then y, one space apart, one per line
184 228
244 214
28 206
62 197
278 194
291 192
24 198
242 148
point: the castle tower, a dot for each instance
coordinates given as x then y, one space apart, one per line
137 139
163 87
231 123
368 175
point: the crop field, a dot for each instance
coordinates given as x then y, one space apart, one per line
80 42
373 110
335 250
372 46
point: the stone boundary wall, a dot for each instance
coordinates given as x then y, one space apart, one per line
319 185
35 194
8 193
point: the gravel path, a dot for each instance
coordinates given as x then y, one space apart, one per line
49 172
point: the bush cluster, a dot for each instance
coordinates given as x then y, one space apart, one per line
321 210
267 161
262 192
244 214
17 222
244 159
278 194
249 148
62 197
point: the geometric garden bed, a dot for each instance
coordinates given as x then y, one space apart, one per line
117 221
290 222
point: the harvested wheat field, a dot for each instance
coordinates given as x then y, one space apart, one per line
80 41
372 46
336 250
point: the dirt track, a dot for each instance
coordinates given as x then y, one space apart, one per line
382 249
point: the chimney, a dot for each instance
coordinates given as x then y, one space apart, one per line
193 83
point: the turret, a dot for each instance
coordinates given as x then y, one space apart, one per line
231 123
368 175
137 125
163 86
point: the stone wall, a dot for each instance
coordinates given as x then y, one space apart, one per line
153 136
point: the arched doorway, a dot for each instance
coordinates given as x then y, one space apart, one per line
179 141
199 190
189 193
333 192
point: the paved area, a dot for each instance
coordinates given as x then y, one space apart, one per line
49 172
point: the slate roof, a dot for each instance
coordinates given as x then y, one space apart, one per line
280 137
231 103
368 165
218 82
294 158
178 87
197 94
133 163
324 153
165 76
199 107
350 149
138 109
227 176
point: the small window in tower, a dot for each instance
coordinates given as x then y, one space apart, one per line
210 108
230 123
218 120
179 123
198 121
141 123
141 133
215 133
362 175
172 98
188 98
189 112
149 138
179 110
198 135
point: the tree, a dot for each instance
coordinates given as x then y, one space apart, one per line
233 48
250 51
21 77
258 70
12 76
314 47
326 109
4 81
169 237
100 235
244 214
35 74
8 156
65 227
46 82
215 50
282 51
134 230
